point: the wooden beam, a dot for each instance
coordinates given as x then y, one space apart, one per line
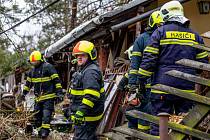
193 118
135 133
206 35
138 24
74 13
174 126
114 136
180 93
189 77
201 47
194 64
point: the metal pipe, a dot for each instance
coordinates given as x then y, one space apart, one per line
163 126
137 18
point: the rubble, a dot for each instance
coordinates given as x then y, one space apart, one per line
55 135
11 126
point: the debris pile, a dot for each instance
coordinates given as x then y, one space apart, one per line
11 126
177 118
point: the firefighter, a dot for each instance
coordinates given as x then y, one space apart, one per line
47 89
140 43
169 43
86 92
133 104
124 81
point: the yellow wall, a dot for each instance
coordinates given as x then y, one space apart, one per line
199 22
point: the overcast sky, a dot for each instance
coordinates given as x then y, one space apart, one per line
26 28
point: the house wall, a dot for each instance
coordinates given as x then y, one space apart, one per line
199 22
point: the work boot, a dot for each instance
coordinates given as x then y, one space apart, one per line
44 134
35 132
29 129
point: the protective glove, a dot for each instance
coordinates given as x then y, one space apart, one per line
133 88
140 91
78 119
139 96
123 82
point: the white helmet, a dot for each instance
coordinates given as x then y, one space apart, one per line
129 52
171 9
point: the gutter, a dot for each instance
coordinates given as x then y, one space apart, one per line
86 27
137 18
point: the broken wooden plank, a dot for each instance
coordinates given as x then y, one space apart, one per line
206 35
193 118
194 64
135 133
111 95
189 77
201 47
181 93
174 126
114 136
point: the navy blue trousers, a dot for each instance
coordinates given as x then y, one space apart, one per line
145 106
43 116
87 131
174 105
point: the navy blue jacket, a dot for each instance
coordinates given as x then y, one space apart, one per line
168 44
45 81
87 92
138 48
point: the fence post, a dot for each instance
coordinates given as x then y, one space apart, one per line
163 126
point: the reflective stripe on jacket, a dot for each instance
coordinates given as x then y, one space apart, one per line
168 44
45 81
138 48
87 92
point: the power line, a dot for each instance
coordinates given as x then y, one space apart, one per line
30 16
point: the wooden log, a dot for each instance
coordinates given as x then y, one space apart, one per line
194 64
189 77
201 47
180 93
135 133
193 118
7 111
114 136
8 106
174 126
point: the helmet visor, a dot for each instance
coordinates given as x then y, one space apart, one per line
151 22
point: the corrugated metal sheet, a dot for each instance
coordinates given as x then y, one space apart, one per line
70 37
88 26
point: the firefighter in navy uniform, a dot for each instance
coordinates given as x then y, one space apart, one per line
134 103
124 81
169 43
140 43
86 92
47 89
